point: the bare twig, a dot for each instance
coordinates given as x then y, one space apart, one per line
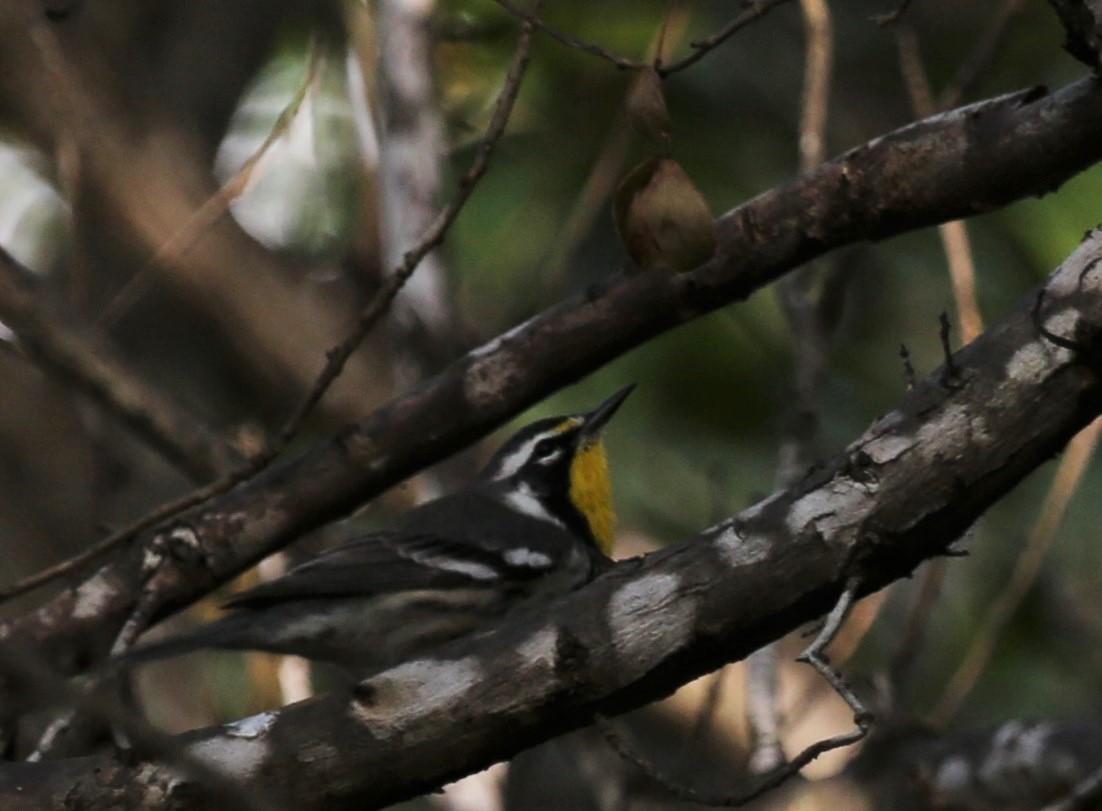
51 735
119 537
531 18
1041 538
336 357
753 11
814 656
174 249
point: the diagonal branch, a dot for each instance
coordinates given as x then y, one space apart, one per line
944 167
80 355
899 494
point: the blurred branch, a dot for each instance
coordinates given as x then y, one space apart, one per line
811 336
136 173
1003 608
962 274
432 238
568 40
954 235
191 231
806 321
970 71
411 157
868 517
1017 145
82 357
336 357
43 685
1016 764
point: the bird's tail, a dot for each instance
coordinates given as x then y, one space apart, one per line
223 633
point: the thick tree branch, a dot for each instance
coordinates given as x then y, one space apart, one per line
901 493
945 167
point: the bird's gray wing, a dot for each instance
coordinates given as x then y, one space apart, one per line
390 561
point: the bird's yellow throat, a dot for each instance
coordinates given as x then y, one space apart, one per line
591 491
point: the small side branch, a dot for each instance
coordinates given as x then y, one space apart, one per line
814 656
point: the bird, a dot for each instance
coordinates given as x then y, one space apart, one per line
535 523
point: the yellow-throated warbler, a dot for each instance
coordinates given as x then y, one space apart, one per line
535 523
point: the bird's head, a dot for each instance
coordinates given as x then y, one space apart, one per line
556 469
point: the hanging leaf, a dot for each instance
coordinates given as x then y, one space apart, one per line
663 220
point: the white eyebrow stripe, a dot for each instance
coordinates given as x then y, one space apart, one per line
514 461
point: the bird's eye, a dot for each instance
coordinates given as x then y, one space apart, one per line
545 449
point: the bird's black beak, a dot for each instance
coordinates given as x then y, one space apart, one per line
596 419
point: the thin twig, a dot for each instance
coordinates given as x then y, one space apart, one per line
216 206
533 19
860 622
701 47
755 10
813 656
51 735
337 356
1041 538
954 235
119 537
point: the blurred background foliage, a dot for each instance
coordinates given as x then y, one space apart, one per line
699 438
